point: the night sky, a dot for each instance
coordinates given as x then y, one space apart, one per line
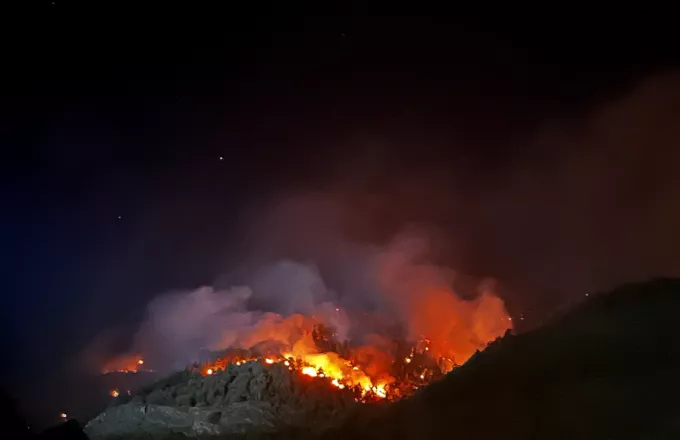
138 155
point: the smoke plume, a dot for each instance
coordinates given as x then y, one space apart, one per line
586 203
378 292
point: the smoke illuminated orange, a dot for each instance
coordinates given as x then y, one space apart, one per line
424 331
373 370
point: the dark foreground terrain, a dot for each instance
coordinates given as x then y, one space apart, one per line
606 370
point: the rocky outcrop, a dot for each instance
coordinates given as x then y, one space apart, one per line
135 420
246 399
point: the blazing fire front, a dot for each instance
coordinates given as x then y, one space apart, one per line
371 373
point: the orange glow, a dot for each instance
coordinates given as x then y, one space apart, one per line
439 331
449 326
123 364
114 393
370 370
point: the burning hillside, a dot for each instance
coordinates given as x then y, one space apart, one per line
303 377
294 344
386 369
391 323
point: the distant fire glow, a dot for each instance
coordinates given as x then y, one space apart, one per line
125 364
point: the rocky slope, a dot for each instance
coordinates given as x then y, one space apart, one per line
250 398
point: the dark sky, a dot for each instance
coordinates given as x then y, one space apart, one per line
112 133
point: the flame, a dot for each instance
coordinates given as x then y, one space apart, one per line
373 371
114 393
309 371
380 391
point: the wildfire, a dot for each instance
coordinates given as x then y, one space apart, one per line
338 372
438 332
373 373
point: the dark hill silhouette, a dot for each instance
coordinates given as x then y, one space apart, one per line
608 369
14 426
